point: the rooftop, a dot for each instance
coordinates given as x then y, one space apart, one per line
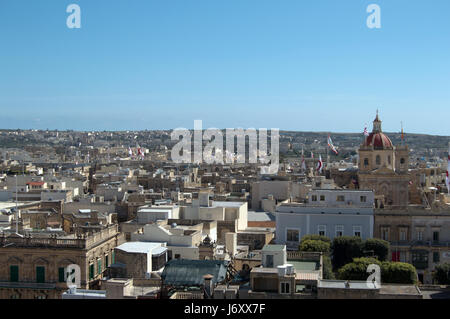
342 284
140 247
274 248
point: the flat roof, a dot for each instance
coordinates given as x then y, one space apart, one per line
274 248
303 266
253 216
341 284
139 247
227 204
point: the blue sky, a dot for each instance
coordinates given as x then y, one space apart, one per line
289 64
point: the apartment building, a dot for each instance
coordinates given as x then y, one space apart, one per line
330 213
33 266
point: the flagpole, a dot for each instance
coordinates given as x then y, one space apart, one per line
448 169
328 156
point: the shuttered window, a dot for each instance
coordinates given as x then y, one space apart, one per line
99 266
40 274
91 271
14 273
61 274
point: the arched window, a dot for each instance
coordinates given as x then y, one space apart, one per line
378 160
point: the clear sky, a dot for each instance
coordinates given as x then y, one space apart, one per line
306 65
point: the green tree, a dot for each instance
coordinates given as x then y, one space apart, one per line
379 247
391 272
398 273
327 268
316 237
442 274
344 249
357 270
315 245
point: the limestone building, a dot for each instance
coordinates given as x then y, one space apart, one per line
34 266
383 168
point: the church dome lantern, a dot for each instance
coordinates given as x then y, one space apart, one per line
377 139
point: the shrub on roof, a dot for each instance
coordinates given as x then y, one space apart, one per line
315 246
344 249
442 274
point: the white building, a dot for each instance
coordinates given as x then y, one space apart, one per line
331 213
148 214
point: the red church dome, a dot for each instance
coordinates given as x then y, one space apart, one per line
377 138
378 141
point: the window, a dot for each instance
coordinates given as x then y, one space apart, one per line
269 261
15 296
61 274
285 288
378 160
357 231
177 256
14 273
339 230
91 271
99 266
435 236
113 257
40 274
389 159
366 162
385 233
420 259
106 261
322 230
293 235
419 235
436 257
340 198
403 256
314 198
402 235
402 161
322 198
363 199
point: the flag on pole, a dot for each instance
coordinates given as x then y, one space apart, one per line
303 161
366 132
330 144
320 164
312 155
140 152
447 178
130 151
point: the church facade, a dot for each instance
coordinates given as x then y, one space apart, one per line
383 168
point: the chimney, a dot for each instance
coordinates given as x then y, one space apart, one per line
231 243
208 285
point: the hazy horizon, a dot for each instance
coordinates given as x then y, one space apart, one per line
296 65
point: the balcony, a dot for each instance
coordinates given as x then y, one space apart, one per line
421 265
80 242
27 285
